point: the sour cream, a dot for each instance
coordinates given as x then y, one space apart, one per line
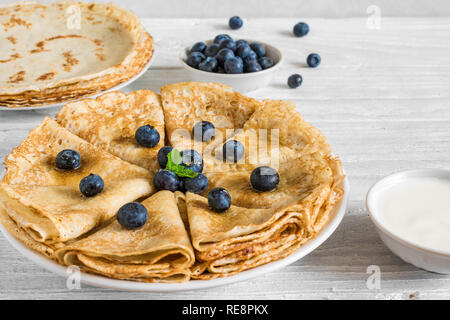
417 209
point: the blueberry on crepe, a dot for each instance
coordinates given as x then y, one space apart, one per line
162 156
91 185
203 131
197 184
147 136
166 180
132 215
68 160
219 199
191 159
233 151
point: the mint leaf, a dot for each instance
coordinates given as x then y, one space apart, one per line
173 164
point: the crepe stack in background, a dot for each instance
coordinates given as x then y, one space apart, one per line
260 227
67 50
160 251
43 205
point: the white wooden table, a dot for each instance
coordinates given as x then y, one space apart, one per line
382 97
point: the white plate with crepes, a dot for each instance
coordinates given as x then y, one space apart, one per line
335 219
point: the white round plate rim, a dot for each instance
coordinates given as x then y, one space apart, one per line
103 282
59 104
371 194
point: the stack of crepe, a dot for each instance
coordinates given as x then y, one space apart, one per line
67 50
260 227
183 238
45 203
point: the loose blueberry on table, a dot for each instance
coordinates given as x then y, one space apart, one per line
313 60
294 81
147 136
301 29
91 185
68 160
181 186
219 200
235 22
132 215
225 55
264 179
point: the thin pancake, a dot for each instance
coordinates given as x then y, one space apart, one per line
160 251
111 120
265 226
46 202
187 103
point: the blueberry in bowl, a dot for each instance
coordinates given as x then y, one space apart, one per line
243 64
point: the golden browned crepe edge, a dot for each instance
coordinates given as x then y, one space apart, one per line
153 100
93 260
248 257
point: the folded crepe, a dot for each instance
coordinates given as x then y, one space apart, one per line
110 123
187 103
46 203
67 50
261 227
160 251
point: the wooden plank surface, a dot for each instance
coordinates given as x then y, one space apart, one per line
382 99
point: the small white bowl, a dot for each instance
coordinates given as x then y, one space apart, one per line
243 82
421 256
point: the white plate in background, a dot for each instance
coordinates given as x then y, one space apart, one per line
60 104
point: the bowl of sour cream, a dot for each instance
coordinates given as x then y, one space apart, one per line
411 210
